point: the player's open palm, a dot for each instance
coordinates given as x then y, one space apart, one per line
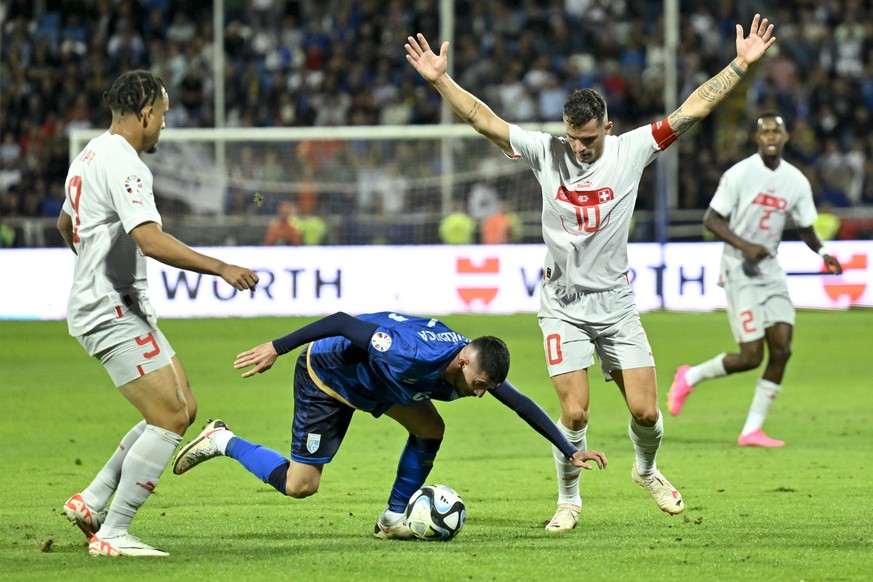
760 38
261 357
429 64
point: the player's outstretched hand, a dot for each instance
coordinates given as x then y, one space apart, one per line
424 60
832 265
580 457
752 47
239 278
262 358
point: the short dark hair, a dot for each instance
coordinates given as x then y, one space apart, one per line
492 356
770 115
583 105
133 91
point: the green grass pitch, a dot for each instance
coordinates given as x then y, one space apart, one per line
798 513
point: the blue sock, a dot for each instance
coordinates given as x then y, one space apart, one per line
265 464
412 470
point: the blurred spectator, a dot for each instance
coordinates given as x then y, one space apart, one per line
458 228
827 225
284 228
304 63
500 228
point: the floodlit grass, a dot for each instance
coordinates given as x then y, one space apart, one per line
798 513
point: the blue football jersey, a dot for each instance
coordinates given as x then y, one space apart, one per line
403 364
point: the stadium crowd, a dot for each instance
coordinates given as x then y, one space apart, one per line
295 63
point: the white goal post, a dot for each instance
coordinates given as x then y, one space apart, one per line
367 184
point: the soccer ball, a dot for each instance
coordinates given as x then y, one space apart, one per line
435 512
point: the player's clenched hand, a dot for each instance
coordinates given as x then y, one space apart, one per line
262 358
754 252
579 459
239 277
832 265
424 60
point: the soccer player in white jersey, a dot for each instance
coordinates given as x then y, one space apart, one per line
110 222
749 212
589 183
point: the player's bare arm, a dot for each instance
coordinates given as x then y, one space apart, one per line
707 97
812 240
580 459
65 227
155 243
261 357
467 106
718 225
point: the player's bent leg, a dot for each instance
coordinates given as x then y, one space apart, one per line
302 479
187 393
426 428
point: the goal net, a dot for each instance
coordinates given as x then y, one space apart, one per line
347 185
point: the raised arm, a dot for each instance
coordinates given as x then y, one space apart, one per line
467 106
707 97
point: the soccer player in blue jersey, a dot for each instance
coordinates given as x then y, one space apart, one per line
381 363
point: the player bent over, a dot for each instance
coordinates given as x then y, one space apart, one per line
381 363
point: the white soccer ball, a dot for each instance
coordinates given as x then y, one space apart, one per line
435 512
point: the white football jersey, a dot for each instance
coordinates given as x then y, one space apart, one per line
756 202
587 208
108 194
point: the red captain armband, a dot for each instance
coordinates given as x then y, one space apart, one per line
663 134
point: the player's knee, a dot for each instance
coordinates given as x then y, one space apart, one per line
749 360
433 429
780 354
301 490
646 417
576 415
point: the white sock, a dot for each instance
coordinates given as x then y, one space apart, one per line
220 439
765 394
647 441
97 494
140 474
568 473
709 369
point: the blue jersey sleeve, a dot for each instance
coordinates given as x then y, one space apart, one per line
340 324
534 415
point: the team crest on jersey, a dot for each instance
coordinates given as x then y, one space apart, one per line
313 441
381 341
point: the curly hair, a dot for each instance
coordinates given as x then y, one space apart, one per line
133 91
583 105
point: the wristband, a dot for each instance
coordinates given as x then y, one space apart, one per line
736 69
822 251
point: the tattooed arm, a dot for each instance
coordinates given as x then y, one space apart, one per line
467 106
707 97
